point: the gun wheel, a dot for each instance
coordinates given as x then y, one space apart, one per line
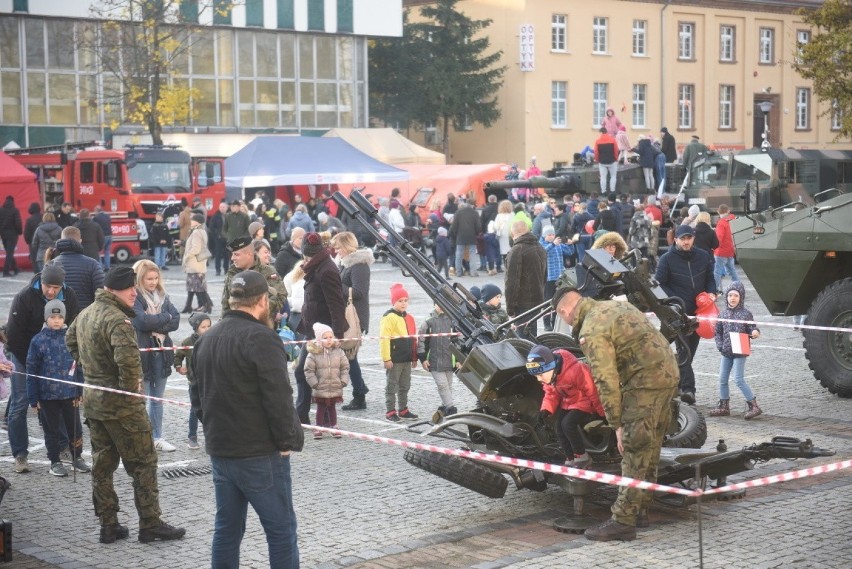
462 471
829 354
692 429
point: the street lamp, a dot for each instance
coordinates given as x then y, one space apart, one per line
765 107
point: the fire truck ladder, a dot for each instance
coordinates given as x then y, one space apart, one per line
56 147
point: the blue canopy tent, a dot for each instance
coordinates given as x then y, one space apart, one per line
297 160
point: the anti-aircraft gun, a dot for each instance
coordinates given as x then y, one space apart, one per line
504 420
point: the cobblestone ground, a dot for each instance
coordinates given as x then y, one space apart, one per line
360 504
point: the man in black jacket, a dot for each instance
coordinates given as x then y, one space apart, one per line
290 253
686 271
10 229
83 274
91 235
245 403
526 272
669 146
103 219
32 223
218 244
466 226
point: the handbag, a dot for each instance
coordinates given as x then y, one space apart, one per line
352 336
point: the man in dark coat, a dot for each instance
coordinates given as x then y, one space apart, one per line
290 253
103 219
32 223
324 303
10 229
66 217
465 227
669 146
526 273
245 403
218 244
686 271
26 317
82 273
489 212
91 235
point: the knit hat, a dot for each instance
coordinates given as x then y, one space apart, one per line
489 291
254 226
694 210
684 230
53 274
442 231
320 329
476 292
120 278
322 217
197 218
398 292
540 360
54 307
311 244
196 319
548 230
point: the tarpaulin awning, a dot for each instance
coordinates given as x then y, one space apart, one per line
293 160
387 145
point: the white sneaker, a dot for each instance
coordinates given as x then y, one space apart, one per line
164 445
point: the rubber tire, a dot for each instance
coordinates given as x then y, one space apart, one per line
122 255
693 433
555 340
462 471
832 307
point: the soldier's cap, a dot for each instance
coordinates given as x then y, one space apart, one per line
239 243
247 284
120 278
540 360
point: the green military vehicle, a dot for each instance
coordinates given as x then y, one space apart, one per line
785 176
798 256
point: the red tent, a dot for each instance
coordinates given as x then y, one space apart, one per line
20 183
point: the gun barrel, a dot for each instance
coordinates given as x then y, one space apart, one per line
558 183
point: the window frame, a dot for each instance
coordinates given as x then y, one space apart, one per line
556 29
733 43
599 105
600 28
686 106
639 105
727 106
803 109
766 46
686 40
800 44
556 102
640 38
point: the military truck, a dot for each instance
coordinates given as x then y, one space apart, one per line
784 176
798 256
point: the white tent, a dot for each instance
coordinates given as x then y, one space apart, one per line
387 145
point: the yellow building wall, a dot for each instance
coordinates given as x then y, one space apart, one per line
525 130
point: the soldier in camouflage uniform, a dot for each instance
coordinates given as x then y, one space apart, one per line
103 340
636 375
244 258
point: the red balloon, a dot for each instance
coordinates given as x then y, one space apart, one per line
706 308
590 226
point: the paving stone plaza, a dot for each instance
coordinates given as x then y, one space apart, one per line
359 504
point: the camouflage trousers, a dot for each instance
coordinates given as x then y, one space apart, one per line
130 440
645 417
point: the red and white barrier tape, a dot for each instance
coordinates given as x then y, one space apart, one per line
445 334
775 324
107 389
785 477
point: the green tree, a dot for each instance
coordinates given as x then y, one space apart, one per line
139 45
827 59
439 72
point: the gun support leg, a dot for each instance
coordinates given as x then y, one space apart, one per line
577 521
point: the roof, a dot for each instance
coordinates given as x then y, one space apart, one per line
387 145
11 172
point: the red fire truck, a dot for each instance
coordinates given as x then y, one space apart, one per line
132 184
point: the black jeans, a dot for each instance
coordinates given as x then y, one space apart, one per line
568 426
55 413
687 376
549 291
9 243
303 390
220 254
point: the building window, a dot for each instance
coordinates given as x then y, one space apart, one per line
836 115
222 12
434 136
767 46
640 37
316 16
559 32
599 35
599 93
727 50
726 106
254 13
803 38
640 104
686 41
803 108
685 106
189 11
20 5
345 16
559 104
286 18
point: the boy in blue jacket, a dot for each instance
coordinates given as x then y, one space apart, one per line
56 402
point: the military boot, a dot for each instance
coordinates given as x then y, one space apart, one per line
611 530
112 532
753 409
642 518
163 532
723 409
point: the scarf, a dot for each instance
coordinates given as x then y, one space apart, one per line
154 303
314 262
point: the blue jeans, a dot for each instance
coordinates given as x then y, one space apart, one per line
460 256
107 251
19 438
359 389
193 424
724 266
738 367
160 256
264 482
155 387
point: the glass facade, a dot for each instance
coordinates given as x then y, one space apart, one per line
242 78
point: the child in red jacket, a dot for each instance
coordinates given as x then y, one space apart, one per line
570 394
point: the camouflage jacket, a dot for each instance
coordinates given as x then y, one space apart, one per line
103 341
272 279
624 350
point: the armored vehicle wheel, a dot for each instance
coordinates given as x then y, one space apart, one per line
830 353
462 471
692 431
555 340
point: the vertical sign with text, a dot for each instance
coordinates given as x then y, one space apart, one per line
527 47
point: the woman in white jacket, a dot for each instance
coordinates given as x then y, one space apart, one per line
503 225
195 255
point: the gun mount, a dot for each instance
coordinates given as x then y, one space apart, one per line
504 420
568 182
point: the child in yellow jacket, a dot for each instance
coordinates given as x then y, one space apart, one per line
399 354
